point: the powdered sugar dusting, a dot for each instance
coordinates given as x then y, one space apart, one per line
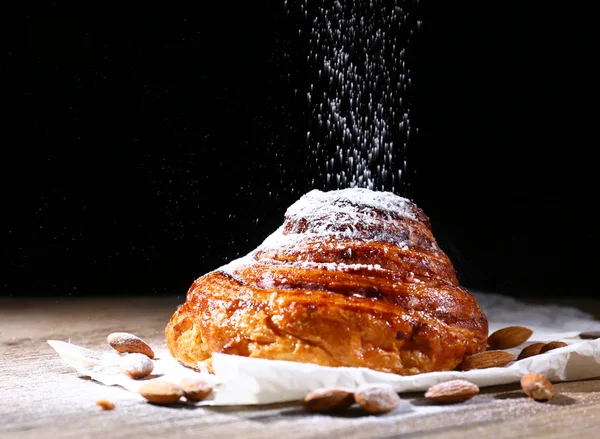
317 204
378 398
337 266
348 213
339 213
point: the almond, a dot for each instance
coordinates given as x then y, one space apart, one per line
125 342
590 335
160 391
537 386
136 366
452 391
486 359
328 400
552 345
377 399
531 350
509 337
195 388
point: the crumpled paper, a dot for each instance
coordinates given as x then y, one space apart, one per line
250 381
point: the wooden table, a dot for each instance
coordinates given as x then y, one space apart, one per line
40 396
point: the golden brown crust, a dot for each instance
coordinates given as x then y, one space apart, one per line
383 296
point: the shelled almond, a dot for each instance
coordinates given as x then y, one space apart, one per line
195 388
487 359
136 366
552 345
589 335
537 386
377 399
124 342
328 400
509 337
159 391
453 391
531 350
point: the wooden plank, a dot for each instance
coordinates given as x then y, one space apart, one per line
42 397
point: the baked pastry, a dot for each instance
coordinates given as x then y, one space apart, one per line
353 277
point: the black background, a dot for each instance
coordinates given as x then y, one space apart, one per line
144 146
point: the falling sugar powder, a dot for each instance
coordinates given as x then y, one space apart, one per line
360 124
338 214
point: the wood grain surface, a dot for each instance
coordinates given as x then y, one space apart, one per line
41 396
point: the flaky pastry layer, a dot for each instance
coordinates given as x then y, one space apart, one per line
360 284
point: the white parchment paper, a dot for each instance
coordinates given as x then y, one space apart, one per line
248 381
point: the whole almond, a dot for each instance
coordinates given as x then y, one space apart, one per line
552 345
537 386
484 360
377 399
452 391
531 350
509 337
136 366
160 391
328 400
125 342
195 388
590 335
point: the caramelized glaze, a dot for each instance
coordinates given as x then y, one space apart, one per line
348 282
